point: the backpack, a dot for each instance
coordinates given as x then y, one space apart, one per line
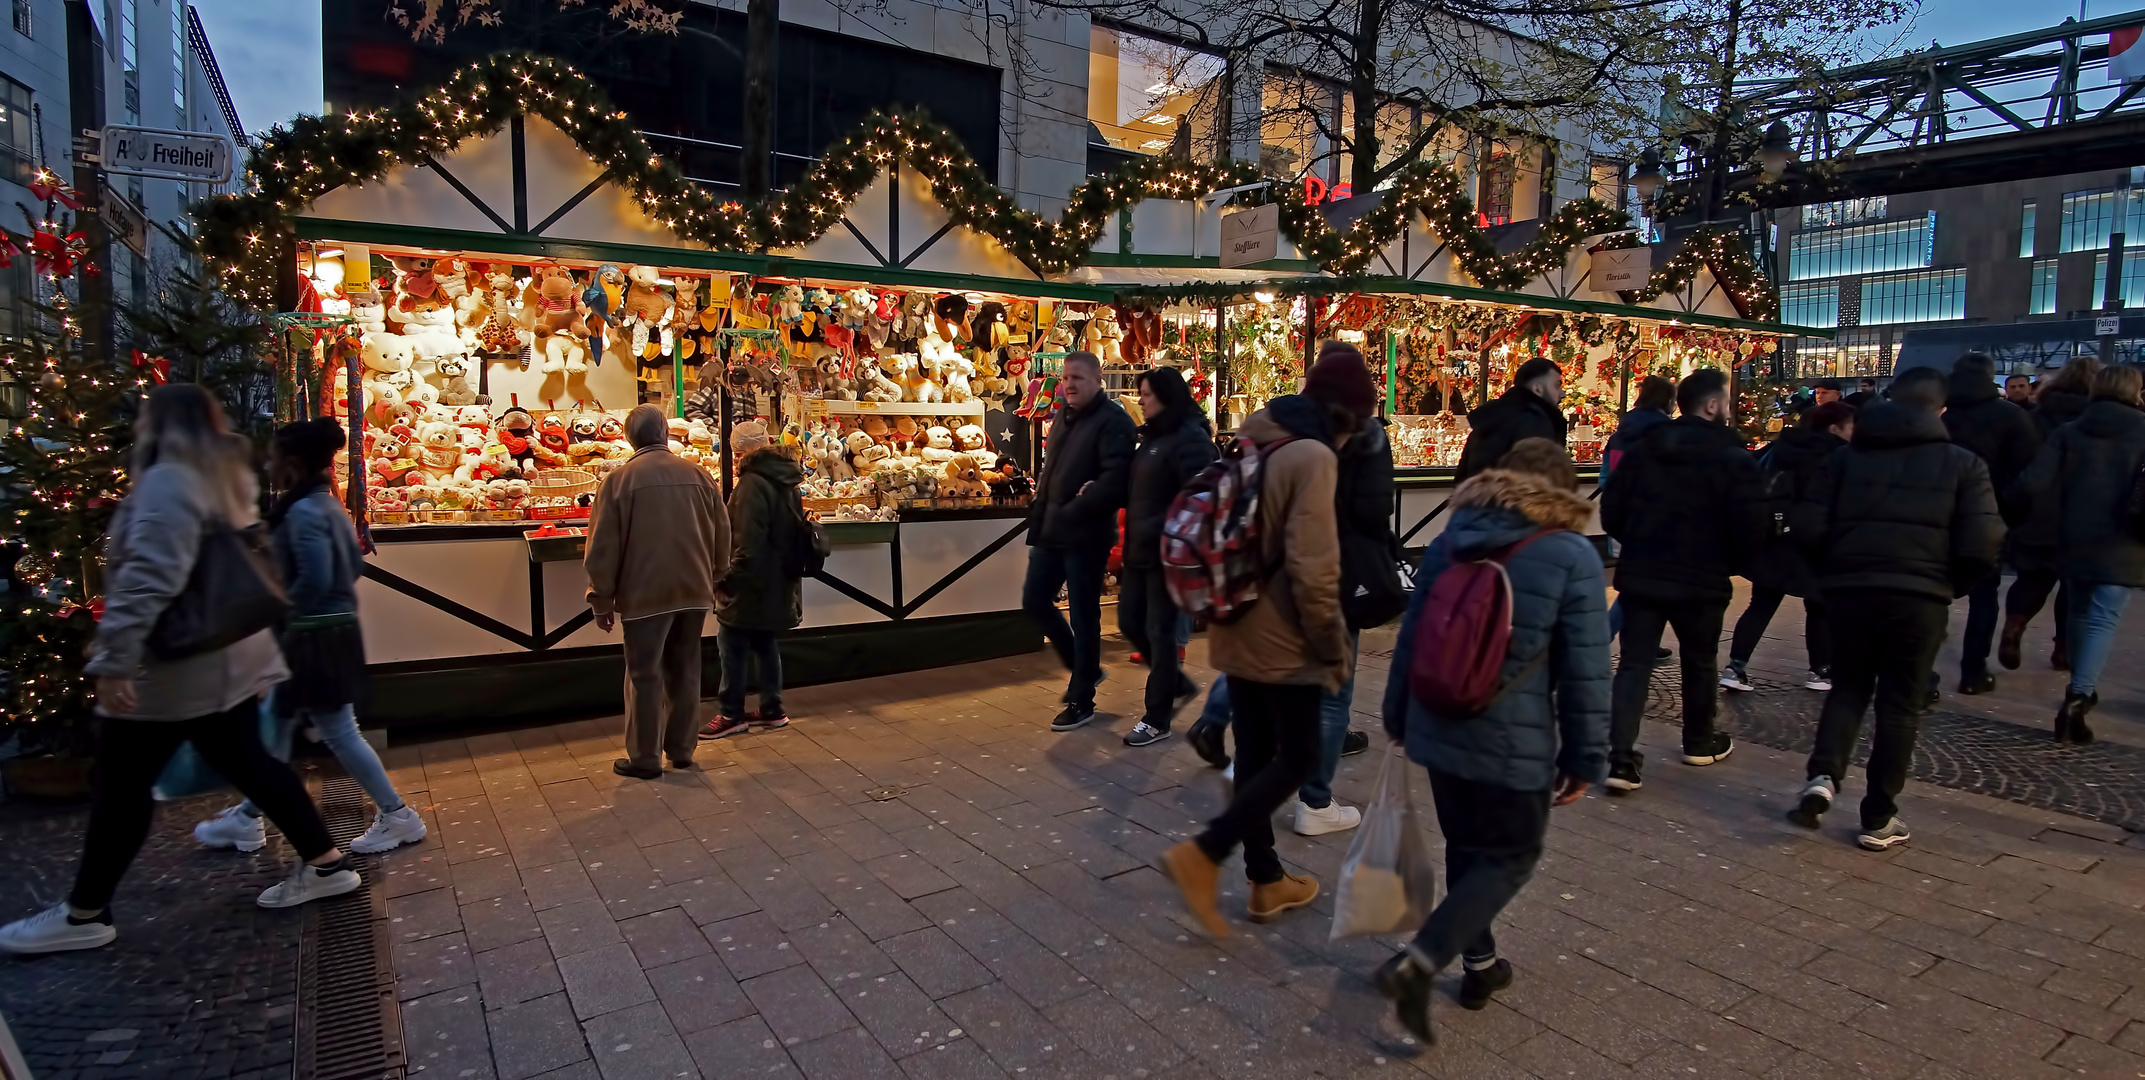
1212 555
1778 492
804 550
1463 634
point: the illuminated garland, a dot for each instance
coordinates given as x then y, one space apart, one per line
1719 250
244 234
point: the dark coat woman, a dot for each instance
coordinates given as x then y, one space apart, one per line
2031 544
763 594
1781 568
1175 443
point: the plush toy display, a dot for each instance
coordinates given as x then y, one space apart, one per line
551 311
454 388
646 307
602 303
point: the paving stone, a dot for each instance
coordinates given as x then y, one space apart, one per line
797 1005
896 1013
520 972
535 1037
604 980
432 964
489 924
698 993
962 1059
638 1043
663 937
839 951
444 1033
1113 1035
422 915
558 883
845 1055
935 962
752 945
741 1048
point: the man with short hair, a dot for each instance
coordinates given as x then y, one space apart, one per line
1865 393
659 541
2018 390
1687 505
1531 409
1825 390
1900 522
1072 524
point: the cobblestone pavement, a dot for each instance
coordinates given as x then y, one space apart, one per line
917 880
201 982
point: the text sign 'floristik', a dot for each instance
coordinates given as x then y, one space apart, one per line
167 154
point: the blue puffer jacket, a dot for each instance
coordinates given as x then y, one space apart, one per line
1523 741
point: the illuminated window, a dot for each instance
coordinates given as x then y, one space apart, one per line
1296 113
1814 304
1845 212
1932 296
2089 219
1606 184
1863 249
2042 300
2133 280
1500 171
1139 90
2025 230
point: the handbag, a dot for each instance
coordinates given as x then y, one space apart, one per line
233 593
1374 593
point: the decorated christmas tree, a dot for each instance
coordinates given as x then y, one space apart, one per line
1760 406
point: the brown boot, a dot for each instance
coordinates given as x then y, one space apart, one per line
1292 891
2014 628
1199 879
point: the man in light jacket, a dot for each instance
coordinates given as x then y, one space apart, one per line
659 541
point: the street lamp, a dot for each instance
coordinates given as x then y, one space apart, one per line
1647 177
1778 149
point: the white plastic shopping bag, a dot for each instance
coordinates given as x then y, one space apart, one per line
1387 882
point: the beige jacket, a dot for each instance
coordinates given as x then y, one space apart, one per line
1295 634
660 538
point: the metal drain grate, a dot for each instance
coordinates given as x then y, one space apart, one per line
349 1026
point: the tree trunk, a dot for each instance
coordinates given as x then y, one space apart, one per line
1716 181
762 17
1363 93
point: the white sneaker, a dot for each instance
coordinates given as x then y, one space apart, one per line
306 883
391 829
1884 836
52 930
1336 817
1818 680
234 828
1732 678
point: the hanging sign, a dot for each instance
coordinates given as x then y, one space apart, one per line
1251 236
2107 325
128 224
166 154
1620 269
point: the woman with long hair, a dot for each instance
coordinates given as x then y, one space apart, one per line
189 474
1175 443
317 553
2031 545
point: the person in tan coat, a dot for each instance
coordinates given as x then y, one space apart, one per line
1279 655
659 541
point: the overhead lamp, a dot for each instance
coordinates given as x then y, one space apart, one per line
1647 177
1777 150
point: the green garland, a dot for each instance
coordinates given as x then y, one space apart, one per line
243 235
1719 250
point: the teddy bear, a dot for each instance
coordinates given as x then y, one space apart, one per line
963 478
1103 336
693 327
874 382
416 285
855 443
439 449
970 439
646 306
952 316
506 493
789 309
916 319
551 311
585 441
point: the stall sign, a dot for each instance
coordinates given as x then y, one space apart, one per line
1251 236
166 154
1622 269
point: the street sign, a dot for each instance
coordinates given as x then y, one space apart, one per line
127 223
1619 269
166 154
2108 325
1251 236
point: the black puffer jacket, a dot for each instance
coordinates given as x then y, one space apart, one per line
1093 444
1166 459
2080 483
1686 505
1790 465
1901 509
1363 492
2033 533
1493 428
1998 431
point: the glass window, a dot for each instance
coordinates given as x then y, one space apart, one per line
1139 89
22 18
2025 230
1845 212
2133 280
1606 183
130 60
2089 219
178 59
1493 201
1931 296
1863 249
1811 304
1296 115
18 134
2042 301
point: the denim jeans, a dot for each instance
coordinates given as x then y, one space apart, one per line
1149 620
2096 612
1333 712
1493 841
741 649
1217 709
339 732
1078 570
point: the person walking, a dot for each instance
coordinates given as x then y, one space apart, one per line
2058 400
2018 390
1278 656
1687 508
190 475
316 552
1865 392
1656 402
1543 742
762 595
1072 525
2006 439
2083 478
1900 522
1780 569
1529 410
1175 443
657 544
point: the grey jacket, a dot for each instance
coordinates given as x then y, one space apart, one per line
155 536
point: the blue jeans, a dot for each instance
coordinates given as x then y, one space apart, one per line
2096 612
1217 710
1078 570
741 650
1333 708
339 731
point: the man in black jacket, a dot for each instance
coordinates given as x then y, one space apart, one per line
1899 522
1527 411
1175 444
1687 505
2004 437
1072 524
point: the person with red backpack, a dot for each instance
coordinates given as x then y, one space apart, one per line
1277 632
1500 688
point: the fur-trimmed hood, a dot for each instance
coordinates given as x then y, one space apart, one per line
1527 493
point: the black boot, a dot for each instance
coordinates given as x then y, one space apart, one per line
2070 720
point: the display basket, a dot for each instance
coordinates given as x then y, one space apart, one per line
556 513
551 483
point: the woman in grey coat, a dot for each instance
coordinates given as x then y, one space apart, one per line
189 473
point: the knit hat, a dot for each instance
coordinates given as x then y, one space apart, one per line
1340 378
747 437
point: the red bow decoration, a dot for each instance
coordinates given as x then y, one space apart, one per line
8 249
47 187
159 368
55 256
